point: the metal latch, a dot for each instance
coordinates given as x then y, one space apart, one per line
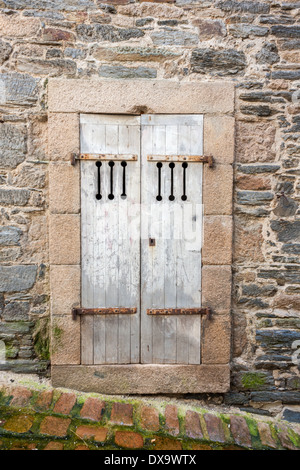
151 241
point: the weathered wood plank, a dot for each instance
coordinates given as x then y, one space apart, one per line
87 275
148 193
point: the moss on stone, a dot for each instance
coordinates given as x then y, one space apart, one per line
253 380
41 338
57 333
33 384
295 438
11 351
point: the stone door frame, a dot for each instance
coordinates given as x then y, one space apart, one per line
67 98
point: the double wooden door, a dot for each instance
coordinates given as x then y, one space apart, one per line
141 237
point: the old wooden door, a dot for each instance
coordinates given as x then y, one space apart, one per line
141 207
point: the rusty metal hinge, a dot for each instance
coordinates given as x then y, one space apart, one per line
103 311
180 311
102 157
183 158
210 160
73 158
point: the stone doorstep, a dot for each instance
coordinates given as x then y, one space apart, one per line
143 379
93 422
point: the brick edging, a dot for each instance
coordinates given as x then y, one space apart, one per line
64 419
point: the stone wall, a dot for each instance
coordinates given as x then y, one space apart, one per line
253 43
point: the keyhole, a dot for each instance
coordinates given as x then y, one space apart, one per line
172 166
111 164
159 196
98 195
184 196
123 195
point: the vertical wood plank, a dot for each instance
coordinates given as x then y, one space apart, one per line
184 140
87 274
99 269
158 212
87 340
182 349
194 340
111 138
169 241
132 250
112 262
148 193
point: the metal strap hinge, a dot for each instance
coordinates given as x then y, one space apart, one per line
103 311
102 157
183 158
180 311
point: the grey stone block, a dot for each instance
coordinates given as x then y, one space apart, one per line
107 8
247 7
25 366
15 328
254 197
261 111
13 144
281 276
284 397
63 5
5 51
16 311
94 32
291 415
256 169
286 207
52 15
286 31
17 278
277 339
18 88
143 21
174 38
10 235
120 71
291 248
245 30
14 197
286 230
220 62
268 54
285 75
